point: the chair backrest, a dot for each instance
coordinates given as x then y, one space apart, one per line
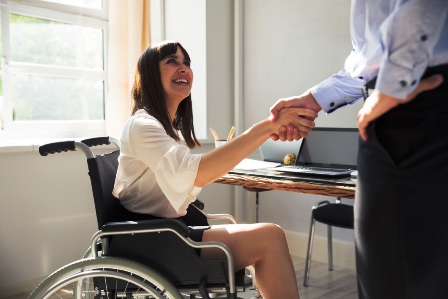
102 172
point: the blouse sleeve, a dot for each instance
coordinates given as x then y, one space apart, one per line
174 166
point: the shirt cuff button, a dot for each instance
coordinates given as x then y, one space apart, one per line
403 83
423 37
413 82
331 104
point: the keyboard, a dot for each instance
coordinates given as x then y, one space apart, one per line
333 172
322 169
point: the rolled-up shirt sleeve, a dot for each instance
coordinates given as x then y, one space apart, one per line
173 164
409 36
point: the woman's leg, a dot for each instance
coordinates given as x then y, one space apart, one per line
263 245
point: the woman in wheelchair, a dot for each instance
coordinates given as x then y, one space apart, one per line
158 175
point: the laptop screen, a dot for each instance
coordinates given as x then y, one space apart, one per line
330 147
275 151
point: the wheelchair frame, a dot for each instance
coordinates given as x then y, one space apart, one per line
154 283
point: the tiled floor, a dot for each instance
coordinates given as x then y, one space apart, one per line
323 284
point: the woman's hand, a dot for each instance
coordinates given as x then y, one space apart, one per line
292 121
290 132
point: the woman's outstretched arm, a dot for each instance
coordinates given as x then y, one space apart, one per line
219 161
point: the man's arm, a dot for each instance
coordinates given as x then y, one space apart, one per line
335 92
409 45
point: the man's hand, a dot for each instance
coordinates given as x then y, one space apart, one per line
379 103
299 118
291 133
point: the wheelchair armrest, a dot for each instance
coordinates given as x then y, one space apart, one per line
143 225
217 216
221 216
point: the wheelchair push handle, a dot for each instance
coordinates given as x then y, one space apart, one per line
65 146
56 147
84 146
96 141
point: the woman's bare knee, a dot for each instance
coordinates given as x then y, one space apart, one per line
275 237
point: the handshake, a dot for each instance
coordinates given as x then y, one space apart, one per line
302 112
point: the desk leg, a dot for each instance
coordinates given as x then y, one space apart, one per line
257 198
256 206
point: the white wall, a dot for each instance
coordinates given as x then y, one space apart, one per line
47 214
185 21
220 66
205 29
290 46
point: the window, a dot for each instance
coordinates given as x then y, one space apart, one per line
53 73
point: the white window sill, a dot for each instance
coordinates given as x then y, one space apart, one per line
10 146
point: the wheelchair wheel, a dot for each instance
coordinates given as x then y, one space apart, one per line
105 278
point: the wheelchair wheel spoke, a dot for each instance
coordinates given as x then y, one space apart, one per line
136 293
58 296
107 289
115 279
116 286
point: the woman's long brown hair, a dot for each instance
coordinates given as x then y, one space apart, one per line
148 93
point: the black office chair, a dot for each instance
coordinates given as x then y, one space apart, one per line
133 254
332 214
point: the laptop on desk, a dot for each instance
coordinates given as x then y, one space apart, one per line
275 151
330 152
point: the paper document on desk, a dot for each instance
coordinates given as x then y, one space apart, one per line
250 164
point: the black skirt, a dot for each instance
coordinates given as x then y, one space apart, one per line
197 223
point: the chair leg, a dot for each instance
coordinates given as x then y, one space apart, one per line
308 253
255 291
330 248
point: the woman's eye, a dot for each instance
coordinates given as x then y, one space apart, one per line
187 63
171 60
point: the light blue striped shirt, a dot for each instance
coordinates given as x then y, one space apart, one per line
394 40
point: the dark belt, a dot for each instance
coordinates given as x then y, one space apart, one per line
368 88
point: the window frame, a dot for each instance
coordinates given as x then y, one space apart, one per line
60 13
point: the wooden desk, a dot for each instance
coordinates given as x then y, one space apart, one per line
267 181
259 183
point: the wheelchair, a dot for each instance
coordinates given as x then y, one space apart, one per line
139 256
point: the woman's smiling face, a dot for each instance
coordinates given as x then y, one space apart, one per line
177 77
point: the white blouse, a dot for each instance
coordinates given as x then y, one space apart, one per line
155 172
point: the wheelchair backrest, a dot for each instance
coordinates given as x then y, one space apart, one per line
102 172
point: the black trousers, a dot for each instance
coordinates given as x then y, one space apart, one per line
401 206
